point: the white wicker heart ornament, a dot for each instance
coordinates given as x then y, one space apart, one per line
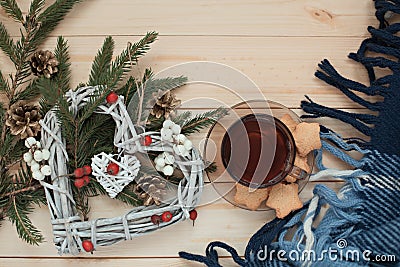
68 228
129 167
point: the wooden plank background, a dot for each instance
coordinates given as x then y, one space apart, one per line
277 43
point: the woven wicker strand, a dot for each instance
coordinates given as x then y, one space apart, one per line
68 229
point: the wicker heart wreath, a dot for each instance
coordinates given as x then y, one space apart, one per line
68 228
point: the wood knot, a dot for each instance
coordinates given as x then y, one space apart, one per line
321 15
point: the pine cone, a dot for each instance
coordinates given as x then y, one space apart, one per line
23 120
163 103
44 63
151 189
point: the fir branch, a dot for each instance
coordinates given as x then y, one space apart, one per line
181 118
63 75
7 44
202 121
50 18
128 58
30 93
12 9
46 88
129 89
36 7
4 86
98 98
17 212
22 190
102 62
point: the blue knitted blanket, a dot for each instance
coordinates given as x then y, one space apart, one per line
362 225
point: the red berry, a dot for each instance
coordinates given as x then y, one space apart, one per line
166 216
112 98
86 179
147 140
79 173
156 219
113 168
87 170
193 215
87 245
79 182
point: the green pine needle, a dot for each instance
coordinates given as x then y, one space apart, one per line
181 118
12 9
7 44
50 18
30 93
36 7
202 121
101 64
18 215
63 76
4 86
128 58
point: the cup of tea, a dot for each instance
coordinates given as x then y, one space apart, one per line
251 146
258 151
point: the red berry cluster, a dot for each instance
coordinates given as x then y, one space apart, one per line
82 176
165 217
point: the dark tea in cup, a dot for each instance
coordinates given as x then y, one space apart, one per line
258 150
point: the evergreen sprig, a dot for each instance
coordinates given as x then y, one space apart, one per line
7 44
12 9
128 58
48 20
200 121
102 62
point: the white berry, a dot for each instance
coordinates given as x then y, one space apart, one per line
166 134
180 138
188 144
30 141
38 175
168 170
38 144
45 170
45 154
160 161
159 168
35 166
38 156
28 157
168 124
176 129
169 159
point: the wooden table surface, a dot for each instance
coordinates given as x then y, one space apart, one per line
277 43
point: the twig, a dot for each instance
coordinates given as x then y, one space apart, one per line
16 192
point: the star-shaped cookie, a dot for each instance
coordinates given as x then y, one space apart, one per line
251 198
284 198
